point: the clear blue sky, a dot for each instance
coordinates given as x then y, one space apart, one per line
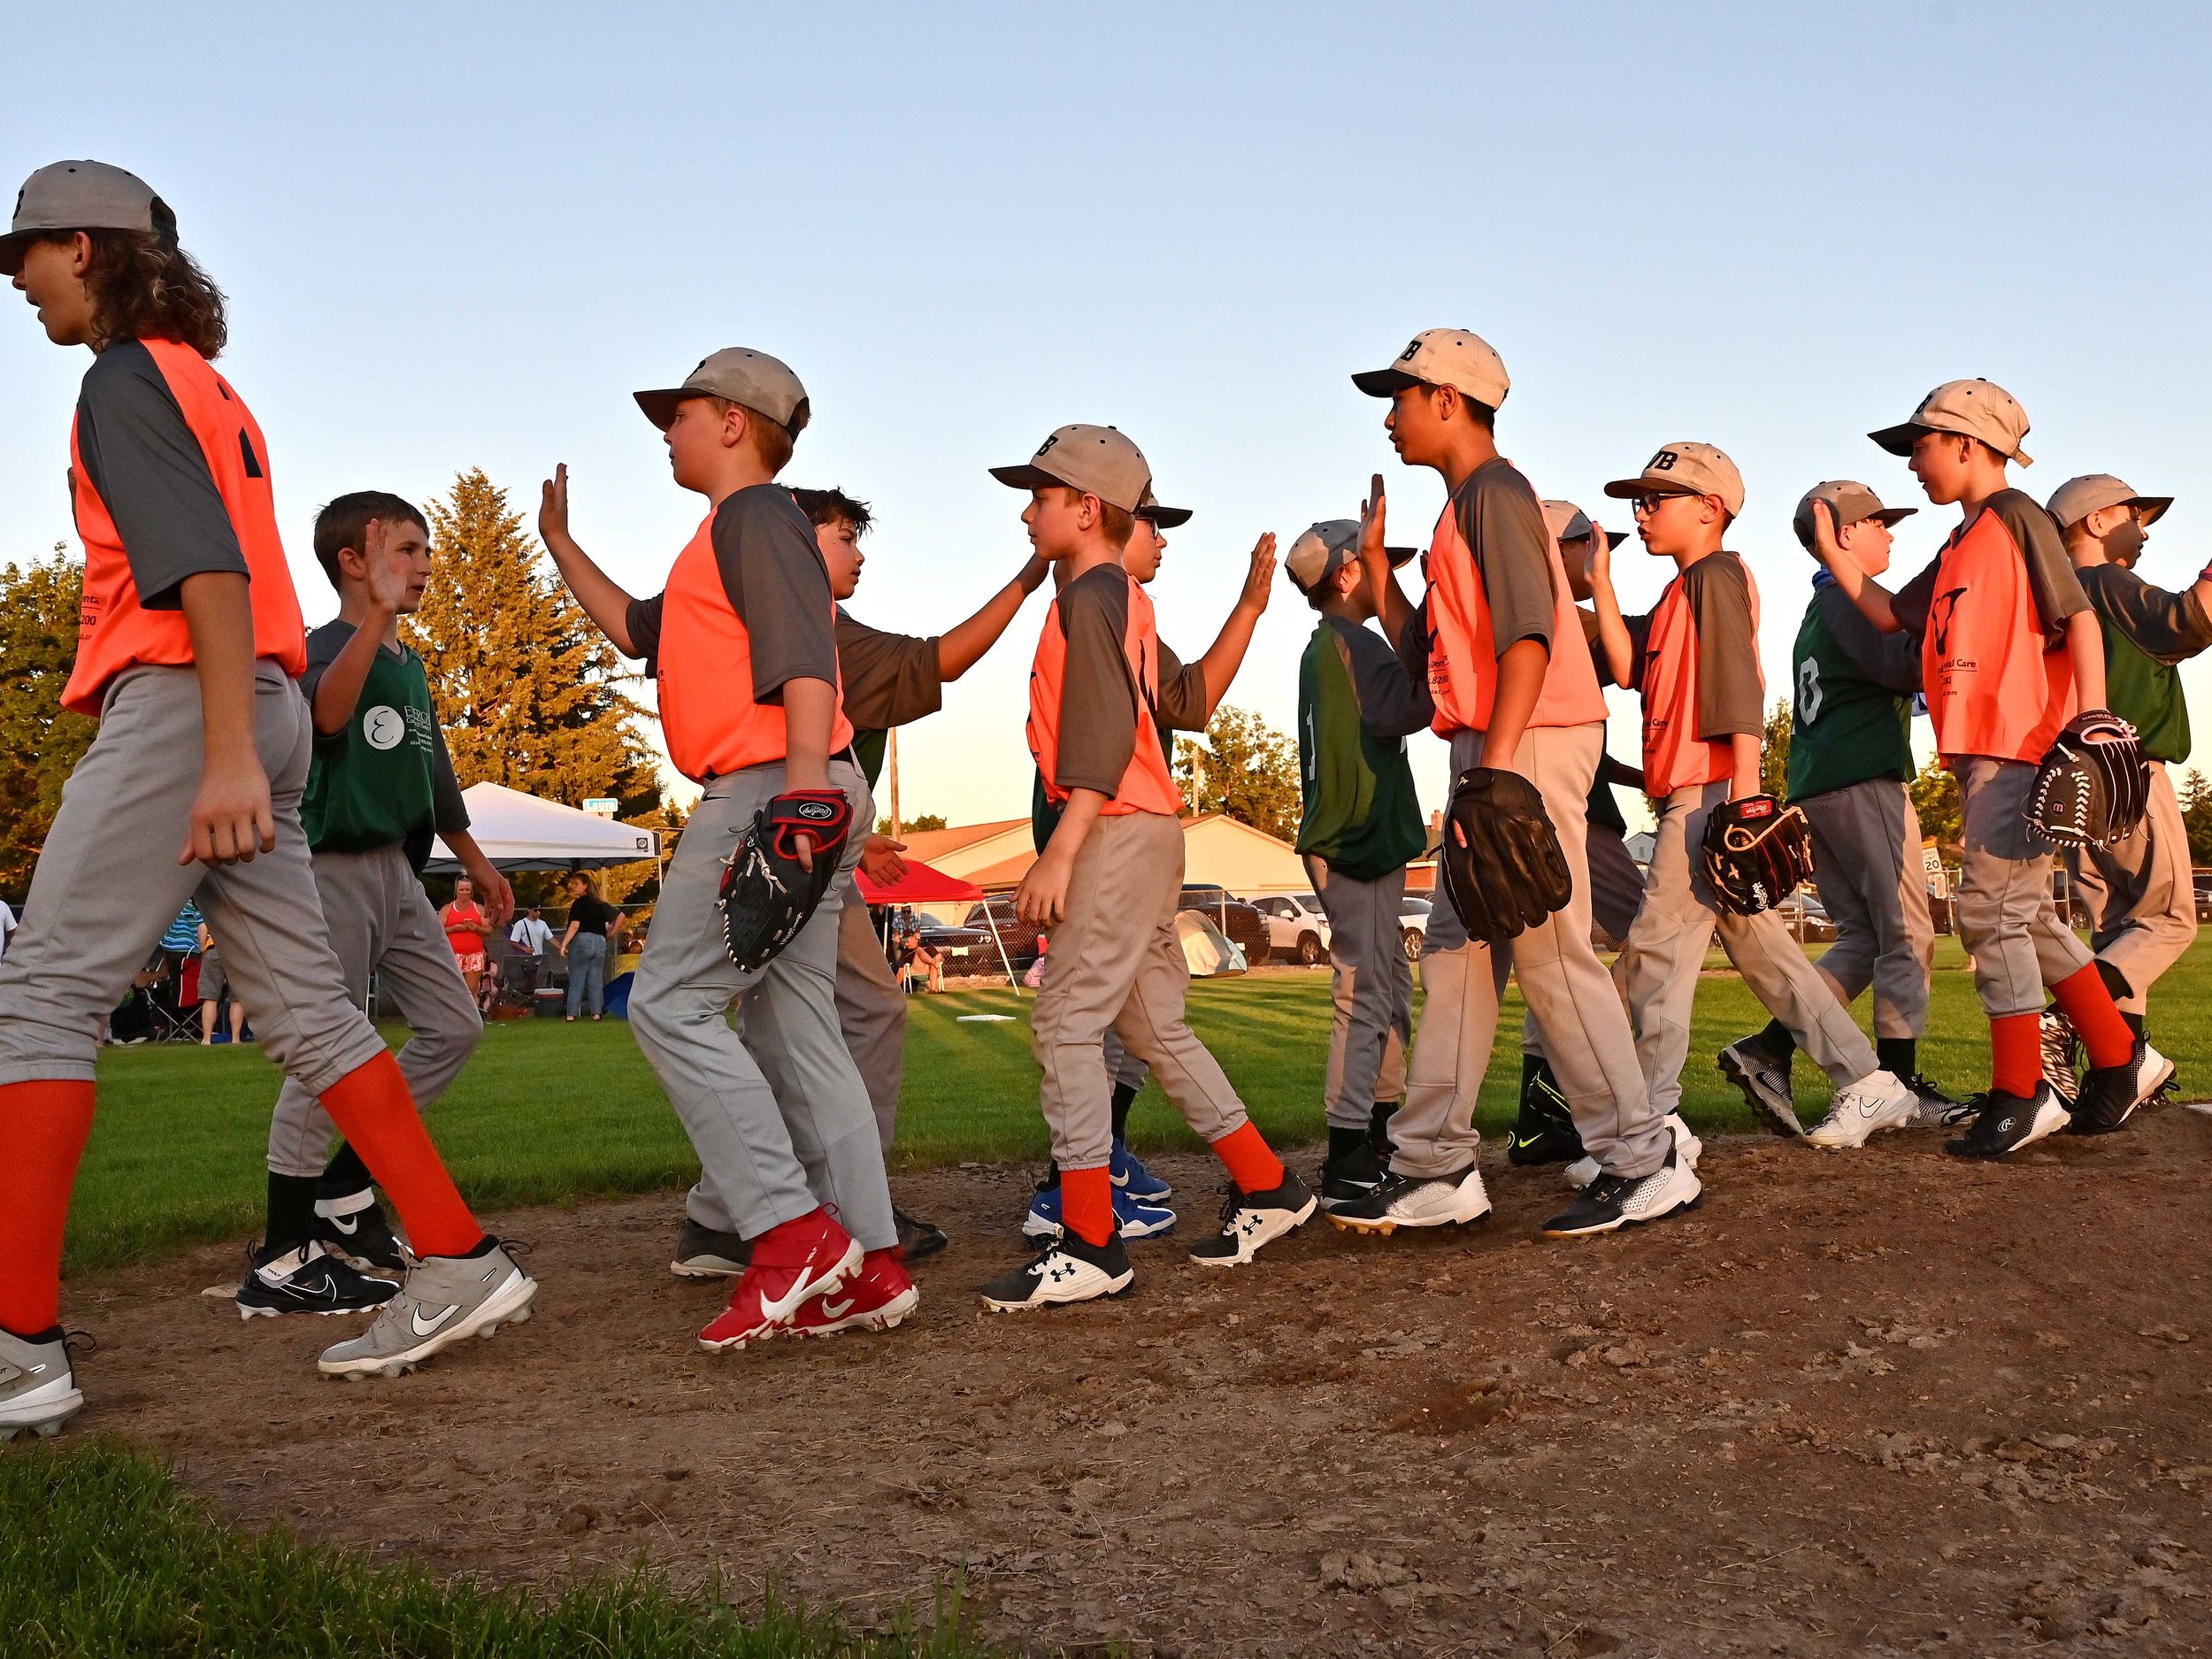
458 236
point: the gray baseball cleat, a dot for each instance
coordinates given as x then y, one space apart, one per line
445 1300
38 1391
1765 1082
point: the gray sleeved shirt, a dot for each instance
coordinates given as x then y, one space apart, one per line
449 810
2168 628
142 458
1892 661
890 678
1183 694
774 576
2051 577
1098 699
1392 704
1502 522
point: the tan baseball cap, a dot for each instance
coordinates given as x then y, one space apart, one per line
2077 497
1973 408
1323 548
1161 518
1850 500
1097 460
1570 523
1442 357
1686 469
744 376
82 196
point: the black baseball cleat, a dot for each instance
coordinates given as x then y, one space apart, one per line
2062 1055
919 1239
1545 1132
1348 1178
306 1279
1932 1109
2110 1094
1069 1268
703 1253
2003 1124
1764 1079
1252 1221
1613 1201
354 1225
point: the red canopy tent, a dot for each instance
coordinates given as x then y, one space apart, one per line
923 885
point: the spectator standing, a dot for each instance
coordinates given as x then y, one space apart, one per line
213 983
467 929
531 939
585 945
7 926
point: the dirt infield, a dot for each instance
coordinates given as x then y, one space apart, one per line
1881 1403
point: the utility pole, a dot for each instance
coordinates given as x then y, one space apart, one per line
893 743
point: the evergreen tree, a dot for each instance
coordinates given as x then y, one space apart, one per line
1937 803
2196 815
530 692
1774 756
1246 770
41 742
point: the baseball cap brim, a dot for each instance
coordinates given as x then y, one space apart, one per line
660 407
2152 507
1028 476
1629 489
1889 516
1899 440
1384 382
14 245
1165 518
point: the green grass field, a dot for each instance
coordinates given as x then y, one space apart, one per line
547 1112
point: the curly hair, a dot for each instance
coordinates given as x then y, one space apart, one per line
144 287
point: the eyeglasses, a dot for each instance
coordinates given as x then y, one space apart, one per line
1645 505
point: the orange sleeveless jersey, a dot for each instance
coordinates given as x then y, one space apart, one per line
1463 651
116 632
1146 786
705 662
1674 755
1993 686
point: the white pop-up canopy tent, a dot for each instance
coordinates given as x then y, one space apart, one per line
520 832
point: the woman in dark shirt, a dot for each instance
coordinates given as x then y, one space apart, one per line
585 944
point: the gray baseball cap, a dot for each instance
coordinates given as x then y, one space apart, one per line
1096 460
1850 500
1442 357
2077 497
83 196
1570 523
1972 409
743 376
1684 469
1323 548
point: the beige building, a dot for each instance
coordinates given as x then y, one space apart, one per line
1216 849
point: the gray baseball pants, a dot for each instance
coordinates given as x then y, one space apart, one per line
381 923
775 1106
1371 987
1867 870
108 886
1593 1052
1666 948
1118 964
870 1010
1616 893
2141 896
2007 920
1127 1070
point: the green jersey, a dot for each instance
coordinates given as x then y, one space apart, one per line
2147 634
1851 709
384 778
1355 704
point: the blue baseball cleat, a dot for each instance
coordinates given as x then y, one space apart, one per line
1137 1220
1129 1176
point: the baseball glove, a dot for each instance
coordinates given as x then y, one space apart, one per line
2093 788
1503 867
767 894
1756 851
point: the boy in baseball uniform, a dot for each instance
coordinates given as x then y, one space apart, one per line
742 643
1850 758
1361 826
1516 693
1695 659
890 679
2011 654
2141 893
189 641
1108 883
379 787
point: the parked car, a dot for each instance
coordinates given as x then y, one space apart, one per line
1806 919
1296 926
1413 916
2203 884
1245 927
1018 937
965 949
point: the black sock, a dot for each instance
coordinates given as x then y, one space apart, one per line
484 1247
1378 1125
1531 1064
346 1174
1123 1098
1344 1142
2135 1021
1777 1041
1900 1056
291 1212
2114 981
51 1333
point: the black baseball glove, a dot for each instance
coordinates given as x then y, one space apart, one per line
767 894
1756 851
1503 867
2093 788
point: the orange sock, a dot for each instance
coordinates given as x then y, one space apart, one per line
43 1130
372 1108
2087 1001
1250 1164
2016 1053
1087 1204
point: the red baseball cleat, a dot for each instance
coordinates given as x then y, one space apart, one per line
874 1299
801 1259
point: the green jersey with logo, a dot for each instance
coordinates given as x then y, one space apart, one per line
1851 702
1361 813
383 779
2149 632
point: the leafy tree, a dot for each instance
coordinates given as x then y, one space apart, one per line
927 821
2196 814
1935 798
1245 769
530 692
1774 755
41 741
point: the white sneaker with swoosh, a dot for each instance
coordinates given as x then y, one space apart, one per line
1875 1103
446 1299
